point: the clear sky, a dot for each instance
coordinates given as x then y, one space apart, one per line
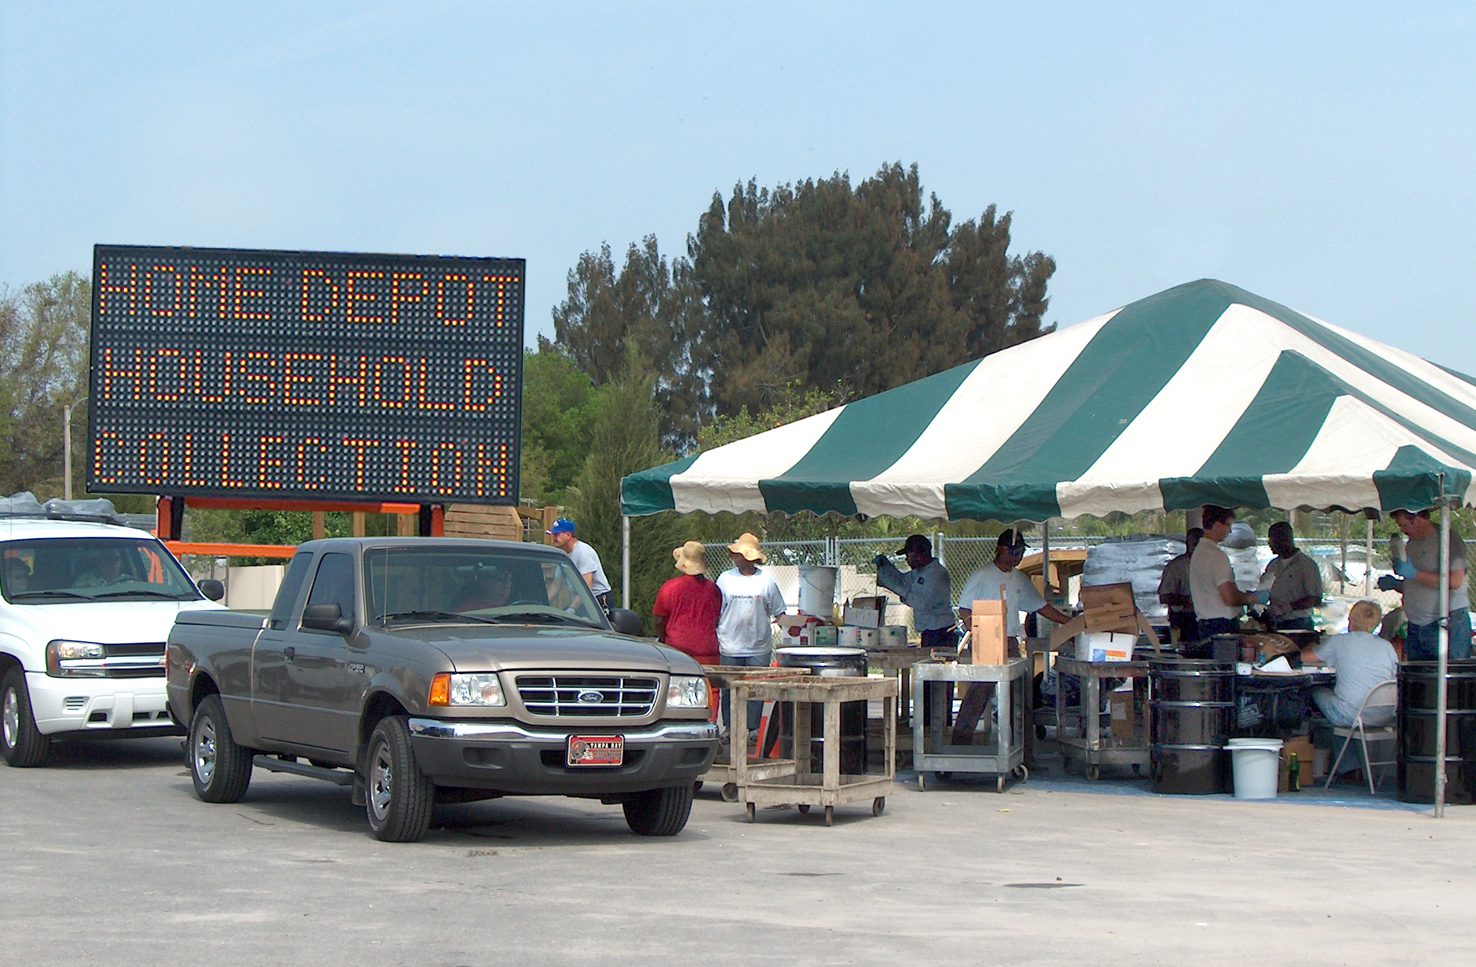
1320 154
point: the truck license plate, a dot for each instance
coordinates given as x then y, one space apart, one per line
596 750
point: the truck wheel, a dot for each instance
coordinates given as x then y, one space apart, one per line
219 768
23 745
659 812
399 796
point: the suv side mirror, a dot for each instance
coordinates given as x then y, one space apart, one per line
625 621
326 617
212 589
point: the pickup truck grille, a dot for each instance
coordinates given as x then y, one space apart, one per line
573 696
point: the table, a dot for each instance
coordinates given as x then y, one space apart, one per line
897 662
1006 755
1090 747
722 769
829 788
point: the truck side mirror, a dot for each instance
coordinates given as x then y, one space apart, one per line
326 617
625 621
212 589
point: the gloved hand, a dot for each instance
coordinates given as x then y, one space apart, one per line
1388 583
1405 569
879 560
1263 598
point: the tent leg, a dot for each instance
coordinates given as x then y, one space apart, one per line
1442 651
625 562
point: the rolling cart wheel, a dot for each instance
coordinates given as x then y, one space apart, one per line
697 786
751 812
1022 773
830 815
922 782
999 784
878 805
730 792
804 808
1093 773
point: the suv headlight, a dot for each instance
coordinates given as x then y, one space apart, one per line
483 689
686 691
63 650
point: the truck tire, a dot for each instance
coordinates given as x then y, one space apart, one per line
22 744
659 812
219 768
398 797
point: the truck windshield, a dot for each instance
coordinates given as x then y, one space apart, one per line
92 569
441 583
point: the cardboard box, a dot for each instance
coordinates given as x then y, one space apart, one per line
1109 607
1105 646
1306 760
861 617
987 639
1122 715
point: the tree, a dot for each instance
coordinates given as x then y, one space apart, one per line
625 440
559 403
43 359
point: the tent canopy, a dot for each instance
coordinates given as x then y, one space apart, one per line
1203 393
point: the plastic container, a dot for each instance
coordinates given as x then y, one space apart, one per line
817 590
1256 764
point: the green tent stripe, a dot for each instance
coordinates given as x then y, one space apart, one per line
865 439
1007 500
1119 372
1371 363
1280 424
649 492
1408 482
1187 493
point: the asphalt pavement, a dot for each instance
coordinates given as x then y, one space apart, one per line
111 858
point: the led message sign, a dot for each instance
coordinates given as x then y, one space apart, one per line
305 375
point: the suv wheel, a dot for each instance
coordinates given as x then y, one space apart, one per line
398 796
21 742
659 812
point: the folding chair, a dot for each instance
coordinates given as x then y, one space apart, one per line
1384 696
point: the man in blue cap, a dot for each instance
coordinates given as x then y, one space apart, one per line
586 560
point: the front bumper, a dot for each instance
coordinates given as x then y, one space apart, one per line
509 758
98 704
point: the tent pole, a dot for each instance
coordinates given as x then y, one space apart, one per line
1045 559
625 561
1443 651
1368 559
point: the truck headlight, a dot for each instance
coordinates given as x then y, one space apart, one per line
62 650
482 689
686 691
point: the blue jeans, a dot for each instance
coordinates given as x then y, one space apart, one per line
755 709
1422 642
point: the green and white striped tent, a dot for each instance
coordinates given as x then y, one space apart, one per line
1204 393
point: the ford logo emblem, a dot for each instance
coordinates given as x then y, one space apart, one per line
591 697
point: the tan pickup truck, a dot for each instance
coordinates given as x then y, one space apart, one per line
418 670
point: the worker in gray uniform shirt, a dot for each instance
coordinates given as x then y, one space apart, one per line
924 589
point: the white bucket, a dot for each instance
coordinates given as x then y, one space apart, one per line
817 590
1257 766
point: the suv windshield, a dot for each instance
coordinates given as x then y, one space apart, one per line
475 584
91 569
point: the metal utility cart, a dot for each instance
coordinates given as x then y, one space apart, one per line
830 787
931 749
723 770
1091 747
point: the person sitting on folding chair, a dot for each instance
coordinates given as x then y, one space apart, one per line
1362 660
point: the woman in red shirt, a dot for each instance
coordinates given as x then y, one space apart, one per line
687 607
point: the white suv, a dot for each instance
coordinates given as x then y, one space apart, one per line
84 611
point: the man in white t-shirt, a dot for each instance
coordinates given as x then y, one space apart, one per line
586 560
1020 596
751 601
1362 660
1217 601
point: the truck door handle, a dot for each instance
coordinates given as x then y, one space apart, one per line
289 653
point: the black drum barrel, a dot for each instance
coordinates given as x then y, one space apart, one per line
1419 695
829 662
1193 705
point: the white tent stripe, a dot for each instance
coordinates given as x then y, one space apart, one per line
984 412
1355 442
727 478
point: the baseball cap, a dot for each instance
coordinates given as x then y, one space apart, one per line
917 542
1011 538
561 526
